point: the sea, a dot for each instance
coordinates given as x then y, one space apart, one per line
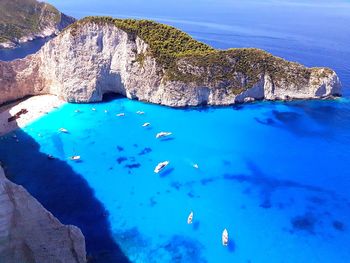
274 174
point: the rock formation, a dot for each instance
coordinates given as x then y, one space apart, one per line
25 20
29 233
156 63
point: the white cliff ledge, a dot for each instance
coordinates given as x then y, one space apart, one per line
156 63
29 233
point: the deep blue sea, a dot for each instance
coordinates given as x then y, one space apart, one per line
276 175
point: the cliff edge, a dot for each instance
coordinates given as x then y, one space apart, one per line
156 63
25 20
29 233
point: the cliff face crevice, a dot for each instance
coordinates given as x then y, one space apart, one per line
91 59
29 233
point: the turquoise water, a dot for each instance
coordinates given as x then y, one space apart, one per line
274 174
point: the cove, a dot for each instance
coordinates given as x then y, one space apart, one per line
274 174
23 49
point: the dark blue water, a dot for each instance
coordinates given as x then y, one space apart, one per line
274 174
23 50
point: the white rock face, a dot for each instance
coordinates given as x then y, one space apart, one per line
321 84
82 64
29 233
7 44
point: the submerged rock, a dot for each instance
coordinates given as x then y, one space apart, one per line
29 233
152 62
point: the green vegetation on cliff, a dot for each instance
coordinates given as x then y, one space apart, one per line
166 43
188 60
20 18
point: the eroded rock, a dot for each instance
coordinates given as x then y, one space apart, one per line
31 234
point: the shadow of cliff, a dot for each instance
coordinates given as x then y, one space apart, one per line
61 191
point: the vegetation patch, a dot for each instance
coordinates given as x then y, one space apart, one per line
19 18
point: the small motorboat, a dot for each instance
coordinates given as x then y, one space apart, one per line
163 134
140 112
93 109
146 124
120 114
77 111
50 157
106 111
190 218
160 166
195 166
63 130
224 237
75 157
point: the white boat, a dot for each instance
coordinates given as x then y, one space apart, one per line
190 218
120 114
146 124
160 166
75 157
140 112
224 237
106 111
63 130
77 111
163 134
195 166
93 109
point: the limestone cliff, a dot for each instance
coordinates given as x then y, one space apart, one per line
29 233
25 20
156 63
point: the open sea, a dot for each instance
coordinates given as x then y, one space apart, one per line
274 174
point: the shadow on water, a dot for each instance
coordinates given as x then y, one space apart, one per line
196 225
231 246
63 192
166 172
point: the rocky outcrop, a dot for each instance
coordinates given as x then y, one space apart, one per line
29 233
95 57
26 20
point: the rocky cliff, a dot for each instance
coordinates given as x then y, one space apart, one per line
29 233
25 20
156 63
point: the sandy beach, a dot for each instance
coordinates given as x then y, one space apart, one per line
36 106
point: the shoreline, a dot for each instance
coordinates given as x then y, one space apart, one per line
11 45
37 106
